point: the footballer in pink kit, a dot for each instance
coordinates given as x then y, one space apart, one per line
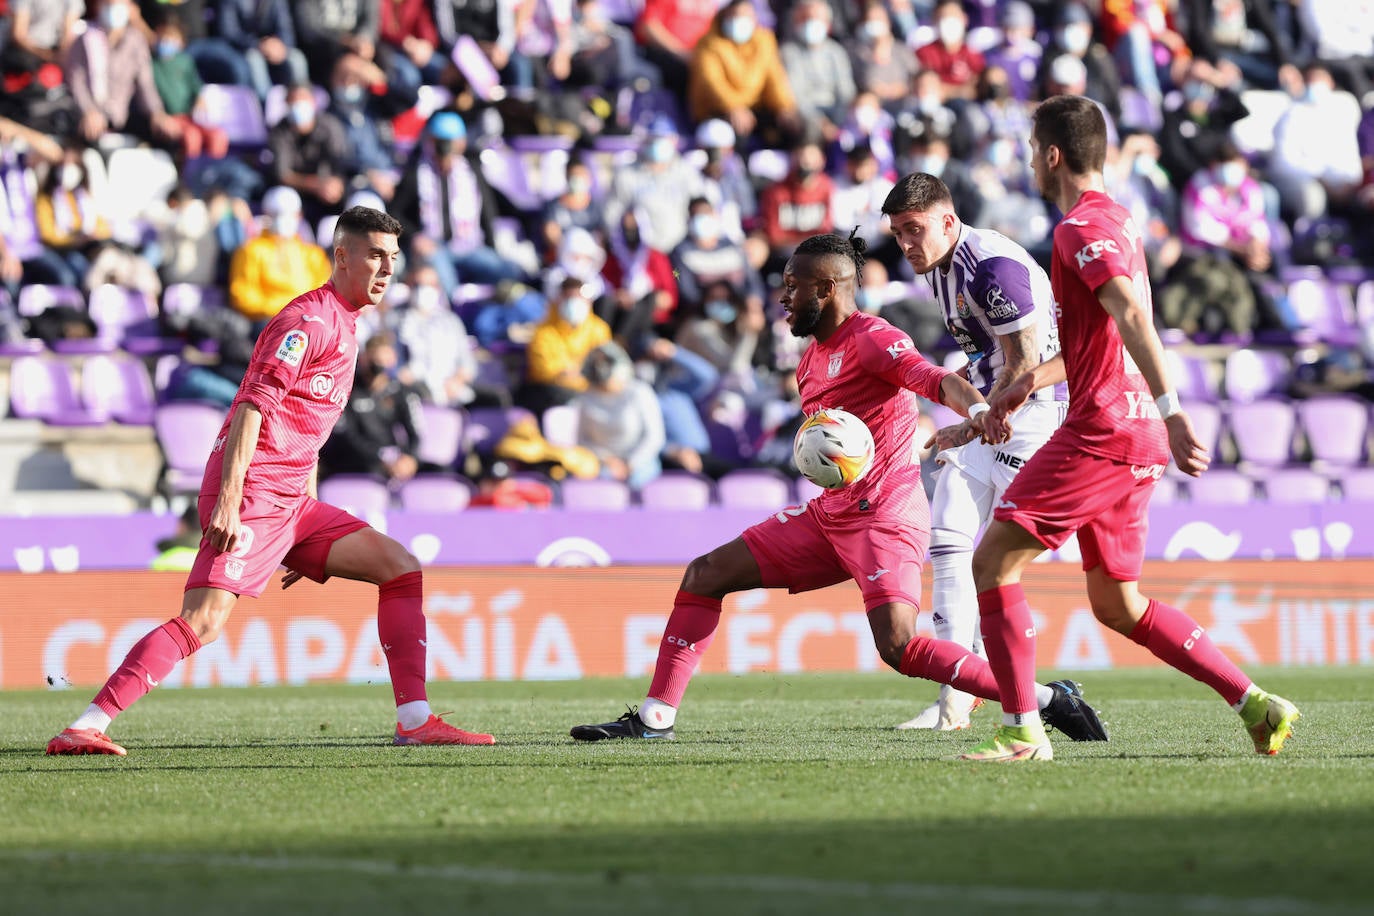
1095 475
874 531
258 508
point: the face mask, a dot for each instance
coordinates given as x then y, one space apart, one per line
867 302
995 91
579 185
575 310
168 48
426 299
739 29
805 172
1144 166
1198 92
69 176
285 225
1000 153
660 150
874 29
114 17
1318 92
705 226
302 113
932 165
866 119
719 310
1231 174
813 31
929 104
1075 39
950 30
350 94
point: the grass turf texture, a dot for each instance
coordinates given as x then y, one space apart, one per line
784 794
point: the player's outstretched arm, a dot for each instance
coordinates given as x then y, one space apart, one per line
1009 398
960 396
239 446
1136 327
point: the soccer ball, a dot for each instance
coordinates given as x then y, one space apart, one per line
833 448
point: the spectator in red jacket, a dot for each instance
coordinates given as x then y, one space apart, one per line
408 27
949 55
669 30
798 206
642 291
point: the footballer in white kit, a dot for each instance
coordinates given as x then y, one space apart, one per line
998 306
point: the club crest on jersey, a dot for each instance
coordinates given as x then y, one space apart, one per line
292 347
233 569
834 368
961 307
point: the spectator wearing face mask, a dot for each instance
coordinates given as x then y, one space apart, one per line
737 74
378 432
270 270
178 85
818 68
570 210
556 352
857 200
310 153
930 153
868 125
729 334
439 354
1193 131
1073 35
351 102
707 257
883 65
658 186
1316 159
642 292
1018 54
264 33
581 257
70 225
798 206
949 55
618 418
727 183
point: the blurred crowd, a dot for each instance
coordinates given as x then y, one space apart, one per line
599 195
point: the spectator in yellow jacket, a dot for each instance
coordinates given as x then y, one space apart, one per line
737 74
270 270
561 342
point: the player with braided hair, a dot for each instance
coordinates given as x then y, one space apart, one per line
874 532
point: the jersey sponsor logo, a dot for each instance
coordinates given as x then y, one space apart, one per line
1140 406
898 347
836 362
321 384
999 306
1011 461
1094 250
1132 233
1076 222
219 444
878 575
233 569
312 318
292 348
1140 472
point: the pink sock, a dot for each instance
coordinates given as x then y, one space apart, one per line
689 631
946 662
1178 640
1009 639
150 660
401 628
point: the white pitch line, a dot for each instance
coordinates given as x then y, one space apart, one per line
967 895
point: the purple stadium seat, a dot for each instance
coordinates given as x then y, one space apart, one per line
1207 424
1251 374
26 346
487 425
1191 377
598 494
41 389
559 424
503 168
38 298
1137 111
435 493
477 69
118 388
1221 487
187 431
1263 432
755 488
1324 309
676 490
1296 485
441 435
119 312
234 109
180 299
1336 429
358 494
1357 484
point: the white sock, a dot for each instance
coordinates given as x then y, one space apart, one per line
1027 719
413 714
1043 696
657 714
953 596
1239 706
94 717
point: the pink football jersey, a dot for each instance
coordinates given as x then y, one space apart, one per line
300 377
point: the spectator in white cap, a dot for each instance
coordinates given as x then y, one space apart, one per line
278 265
728 186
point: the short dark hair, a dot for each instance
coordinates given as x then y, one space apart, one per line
1074 124
853 248
364 221
919 191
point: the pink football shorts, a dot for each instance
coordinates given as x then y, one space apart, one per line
796 550
271 536
1063 490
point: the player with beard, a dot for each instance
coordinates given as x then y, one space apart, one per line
1096 474
874 531
258 508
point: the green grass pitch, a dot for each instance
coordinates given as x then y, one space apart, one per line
783 795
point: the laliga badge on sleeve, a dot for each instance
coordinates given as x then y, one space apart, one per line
292 347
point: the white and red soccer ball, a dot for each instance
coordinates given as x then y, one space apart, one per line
833 448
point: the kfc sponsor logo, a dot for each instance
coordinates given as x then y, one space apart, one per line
1093 250
898 347
999 306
